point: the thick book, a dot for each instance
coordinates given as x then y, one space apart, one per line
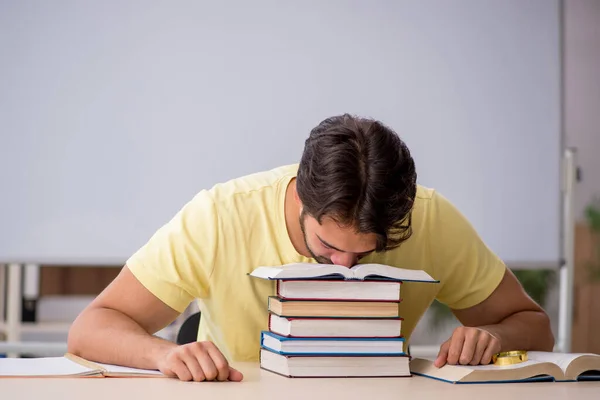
342 366
332 308
338 290
335 327
68 366
331 271
331 345
540 366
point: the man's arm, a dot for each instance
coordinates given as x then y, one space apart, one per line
118 327
507 320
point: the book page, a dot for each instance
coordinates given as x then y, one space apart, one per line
484 373
360 271
451 373
117 369
563 360
364 270
299 270
48 366
492 367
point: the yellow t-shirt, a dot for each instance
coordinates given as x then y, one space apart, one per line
206 251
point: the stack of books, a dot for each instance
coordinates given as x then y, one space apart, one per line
333 321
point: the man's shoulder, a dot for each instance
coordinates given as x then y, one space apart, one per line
432 208
433 199
424 193
426 200
270 180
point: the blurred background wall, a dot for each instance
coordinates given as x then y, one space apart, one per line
62 290
581 102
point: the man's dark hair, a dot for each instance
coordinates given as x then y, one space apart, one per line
358 172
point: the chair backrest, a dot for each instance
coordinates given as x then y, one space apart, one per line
188 332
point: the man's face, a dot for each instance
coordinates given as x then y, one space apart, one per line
330 243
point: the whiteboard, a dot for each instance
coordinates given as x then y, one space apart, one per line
114 114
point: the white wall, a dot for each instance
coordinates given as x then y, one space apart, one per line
582 92
185 96
581 58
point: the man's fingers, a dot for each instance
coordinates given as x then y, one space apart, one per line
170 373
206 362
235 375
443 354
198 361
468 349
219 361
481 346
493 347
468 345
180 370
191 362
456 345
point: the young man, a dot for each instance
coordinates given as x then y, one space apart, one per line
353 197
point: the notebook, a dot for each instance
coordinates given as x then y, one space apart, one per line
546 366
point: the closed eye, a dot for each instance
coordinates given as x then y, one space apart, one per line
325 244
328 246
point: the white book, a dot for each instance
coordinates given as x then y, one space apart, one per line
334 366
357 272
335 327
67 366
539 366
319 289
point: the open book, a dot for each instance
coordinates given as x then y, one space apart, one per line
331 271
68 366
540 365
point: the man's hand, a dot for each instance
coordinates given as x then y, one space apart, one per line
198 361
468 346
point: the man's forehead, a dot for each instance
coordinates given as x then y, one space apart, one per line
360 246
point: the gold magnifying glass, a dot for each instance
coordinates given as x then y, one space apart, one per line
509 357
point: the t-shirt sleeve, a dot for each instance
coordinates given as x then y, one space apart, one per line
175 264
468 270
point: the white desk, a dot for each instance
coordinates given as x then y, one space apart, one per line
260 384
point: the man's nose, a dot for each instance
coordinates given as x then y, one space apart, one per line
346 259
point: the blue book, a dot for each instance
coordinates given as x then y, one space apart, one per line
540 366
333 346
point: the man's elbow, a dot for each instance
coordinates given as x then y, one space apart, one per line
76 338
545 339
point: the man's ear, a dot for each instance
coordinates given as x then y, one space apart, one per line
297 198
